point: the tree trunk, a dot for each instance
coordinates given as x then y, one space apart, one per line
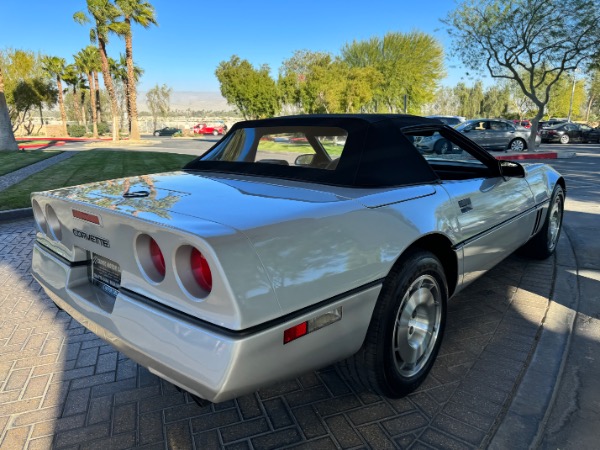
85 124
134 132
589 107
77 106
7 137
93 101
110 88
97 94
61 104
127 104
534 128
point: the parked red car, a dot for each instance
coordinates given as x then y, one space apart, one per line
215 130
523 123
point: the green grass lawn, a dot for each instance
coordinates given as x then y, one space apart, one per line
11 161
85 167
278 147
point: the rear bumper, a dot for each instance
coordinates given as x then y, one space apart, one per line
212 363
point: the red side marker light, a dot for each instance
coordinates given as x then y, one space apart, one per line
86 216
295 332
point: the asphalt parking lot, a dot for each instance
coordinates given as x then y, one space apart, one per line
62 387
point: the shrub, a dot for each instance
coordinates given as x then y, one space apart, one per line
103 128
178 134
76 130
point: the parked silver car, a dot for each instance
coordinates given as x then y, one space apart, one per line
249 266
497 134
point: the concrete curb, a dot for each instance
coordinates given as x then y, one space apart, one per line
530 408
14 214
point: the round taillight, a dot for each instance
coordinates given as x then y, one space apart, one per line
201 270
157 258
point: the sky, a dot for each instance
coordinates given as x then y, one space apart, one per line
193 37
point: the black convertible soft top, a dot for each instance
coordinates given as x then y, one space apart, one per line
376 154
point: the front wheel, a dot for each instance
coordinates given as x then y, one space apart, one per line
543 244
215 132
406 329
564 139
517 145
442 147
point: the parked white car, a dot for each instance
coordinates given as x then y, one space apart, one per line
251 266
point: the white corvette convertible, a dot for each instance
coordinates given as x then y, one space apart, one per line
292 244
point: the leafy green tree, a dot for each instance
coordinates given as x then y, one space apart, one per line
26 87
411 64
104 16
159 102
470 99
141 13
496 101
293 76
593 101
560 98
7 137
55 66
251 90
532 42
445 102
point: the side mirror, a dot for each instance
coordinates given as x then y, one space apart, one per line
512 169
305 160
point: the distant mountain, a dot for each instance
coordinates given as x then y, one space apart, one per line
194 100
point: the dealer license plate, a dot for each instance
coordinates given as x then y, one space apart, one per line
105 274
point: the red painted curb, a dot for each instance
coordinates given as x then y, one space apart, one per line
534 155
53 144
66 139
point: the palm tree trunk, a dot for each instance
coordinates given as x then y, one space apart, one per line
97 94
134 132
61 104
93 101
110 88
7 137
83 111
77 106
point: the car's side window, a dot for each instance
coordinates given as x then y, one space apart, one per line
446 157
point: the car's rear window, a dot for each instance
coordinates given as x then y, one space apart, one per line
311 147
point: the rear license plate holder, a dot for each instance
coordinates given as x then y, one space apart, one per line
105 274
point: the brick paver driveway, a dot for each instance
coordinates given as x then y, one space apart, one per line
62 387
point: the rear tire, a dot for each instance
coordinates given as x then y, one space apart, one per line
442 147
564 139
543 244
406 329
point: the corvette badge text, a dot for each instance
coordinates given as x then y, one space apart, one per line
90 237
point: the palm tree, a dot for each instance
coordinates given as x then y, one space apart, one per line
55 66
73 78
142 13
104 15
120 71
86 61
7 137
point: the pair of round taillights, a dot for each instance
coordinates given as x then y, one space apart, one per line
47 221
191 267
